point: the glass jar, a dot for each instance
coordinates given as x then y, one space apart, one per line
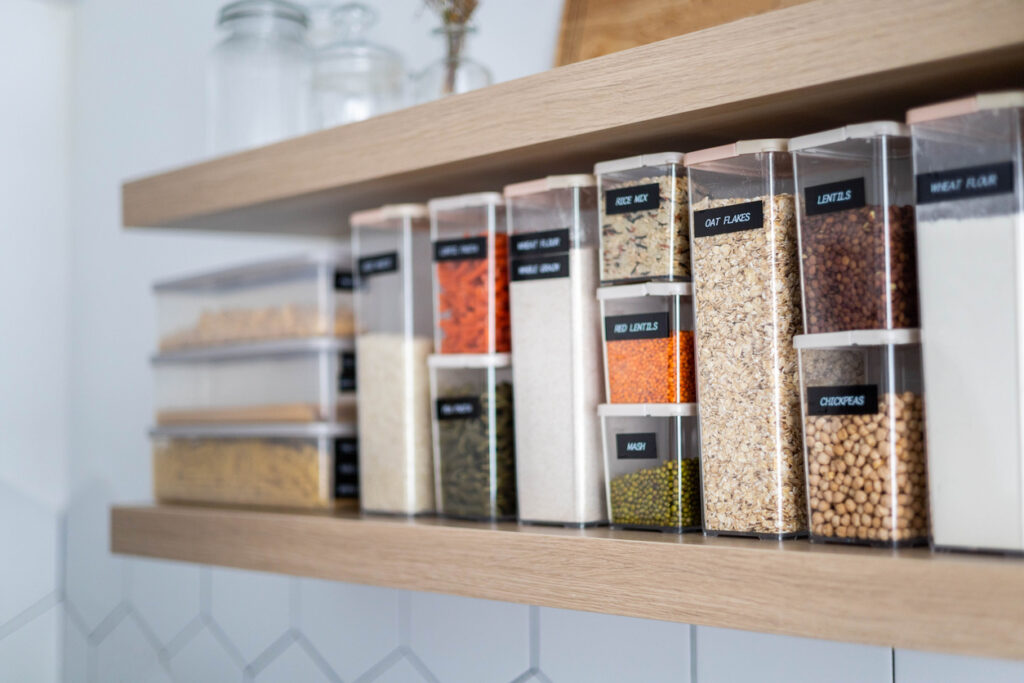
258 86
455 72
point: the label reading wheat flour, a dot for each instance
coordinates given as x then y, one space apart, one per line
347 372
343 281
732 218
458 408
537 243
540 268
640 446
641 326
854 399
965 183
845 194
460 250
378 264
629 199
346 468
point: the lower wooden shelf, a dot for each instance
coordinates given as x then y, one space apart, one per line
911 599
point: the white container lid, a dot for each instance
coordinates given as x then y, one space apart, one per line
639 161
375 218
967 105
256 271
274 347
645 289
857 131
647 409
258 431
549 183
829 340
736 149
469 360
466 201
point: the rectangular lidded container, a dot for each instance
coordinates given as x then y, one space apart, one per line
470 252
648 342
863 412
556 349
303 296
300 380
474 435
746 289
280 466
855 201
391 247
652 466
645 232
969 164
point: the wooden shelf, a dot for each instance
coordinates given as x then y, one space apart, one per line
913 599
793 71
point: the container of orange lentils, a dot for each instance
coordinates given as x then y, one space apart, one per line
470 252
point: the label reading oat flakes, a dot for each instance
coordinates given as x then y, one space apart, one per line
640 446
641 326
347 373
537 243
343 281
965 183
460 250
725 219
839 196
378 263
458 408
346 468
634 198
853 399
540 268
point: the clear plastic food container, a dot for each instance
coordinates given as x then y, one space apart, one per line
470 250
747 299
302 296
556 349
863 408
393 339
969 165
307 380
648 342
302 466
855 199
652 465
474 439
645 229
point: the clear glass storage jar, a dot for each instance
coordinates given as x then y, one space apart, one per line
454 72
556 349
746 289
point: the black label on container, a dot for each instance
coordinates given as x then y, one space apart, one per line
346 468
845 194
377 264
965 183
537 243
629 199
641 326
854 399
343 281
460 250
347 372
641 446
540 268
458 408
732 218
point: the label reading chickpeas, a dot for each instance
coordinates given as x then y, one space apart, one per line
639 446
629 199
845 194
346 468
854 399
458 408
729 218
641 326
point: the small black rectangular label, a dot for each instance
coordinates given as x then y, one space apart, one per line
640 446
852 399
378 263
732 218
640 326
458 408
629 199
537 243
839 196
540 268
965 183
346 468
347 372
343 281
460 250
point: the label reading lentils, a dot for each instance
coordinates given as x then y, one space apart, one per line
965 183
460 250
536 243
540 268
346 468
347 373
845 194
724 219
377 264
854 399
641 446
343 281
634 198
642 326
458 408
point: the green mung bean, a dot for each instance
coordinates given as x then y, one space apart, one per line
666 496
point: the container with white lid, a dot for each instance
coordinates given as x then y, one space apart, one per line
651 455
645 233
855 199
969 166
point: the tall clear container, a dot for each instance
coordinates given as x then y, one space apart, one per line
393 340
556 349
969 166
747 300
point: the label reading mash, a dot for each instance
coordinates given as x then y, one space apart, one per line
640 326
346 468
377 264
636 446
845 194
461 249
635 198
854 399
458 408
540 268
343 280
723 219
537 243
347 372
965 183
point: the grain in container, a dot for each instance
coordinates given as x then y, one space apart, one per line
747 300
394 329
855 211
470 252
645 233
651 456
474 437
556 349
970 231
863 416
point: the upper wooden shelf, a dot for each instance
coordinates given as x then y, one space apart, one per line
796 70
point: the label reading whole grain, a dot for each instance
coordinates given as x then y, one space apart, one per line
537 243
540 268
347 372
343 281
460 250
839 196
458 408
634 198
641 326
378 263
853 399
640 446
346 468
965 183
725 219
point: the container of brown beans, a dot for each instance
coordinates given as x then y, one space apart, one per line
864 447
856 225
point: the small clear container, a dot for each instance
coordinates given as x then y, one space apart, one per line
645 220
470 251
855 199
556 350
863 417
275 466
746 290
648 342
308 380
393 339
304 296
474 436
652 465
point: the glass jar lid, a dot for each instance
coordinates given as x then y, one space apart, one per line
351 22
272 9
